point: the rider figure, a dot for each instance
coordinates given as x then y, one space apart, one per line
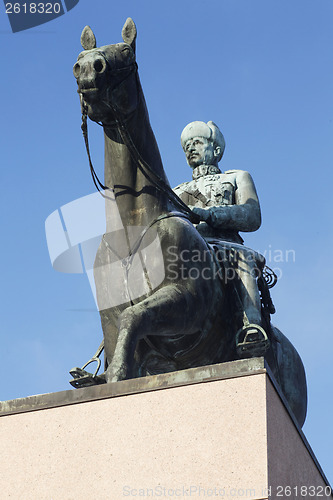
226 203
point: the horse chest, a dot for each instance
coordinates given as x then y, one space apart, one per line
128 272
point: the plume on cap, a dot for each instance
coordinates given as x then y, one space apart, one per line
207 130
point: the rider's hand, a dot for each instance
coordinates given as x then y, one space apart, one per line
202 213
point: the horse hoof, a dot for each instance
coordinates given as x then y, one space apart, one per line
116 374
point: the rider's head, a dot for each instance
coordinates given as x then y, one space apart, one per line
203 143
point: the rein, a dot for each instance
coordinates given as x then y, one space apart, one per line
84 128
120 124
126 262
159 183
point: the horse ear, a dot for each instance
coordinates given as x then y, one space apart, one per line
129 33
88 40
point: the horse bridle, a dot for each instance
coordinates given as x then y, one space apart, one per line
120 124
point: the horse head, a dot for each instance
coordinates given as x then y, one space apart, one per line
107 76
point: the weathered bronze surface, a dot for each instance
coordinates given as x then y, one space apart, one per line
172 305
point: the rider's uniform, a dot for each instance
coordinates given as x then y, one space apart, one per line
213 190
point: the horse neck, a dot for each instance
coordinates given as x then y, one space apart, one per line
137 199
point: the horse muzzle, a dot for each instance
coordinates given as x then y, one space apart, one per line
89 95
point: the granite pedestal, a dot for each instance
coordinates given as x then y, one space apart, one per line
221 431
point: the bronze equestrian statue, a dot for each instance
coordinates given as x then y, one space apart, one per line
160 312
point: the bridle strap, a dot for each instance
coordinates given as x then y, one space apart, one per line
159 183
127 261
120 124
84 127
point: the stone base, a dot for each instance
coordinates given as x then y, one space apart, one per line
220 431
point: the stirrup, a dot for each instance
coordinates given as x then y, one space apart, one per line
251 341
82 378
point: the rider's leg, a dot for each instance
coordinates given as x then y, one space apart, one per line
251 338
246 270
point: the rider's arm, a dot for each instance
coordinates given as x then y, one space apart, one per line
244 216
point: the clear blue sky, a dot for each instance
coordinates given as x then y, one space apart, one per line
263 71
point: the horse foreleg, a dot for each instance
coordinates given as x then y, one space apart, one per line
152 317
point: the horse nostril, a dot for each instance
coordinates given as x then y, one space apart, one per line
99 65
76 70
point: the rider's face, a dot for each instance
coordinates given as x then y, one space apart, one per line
199 151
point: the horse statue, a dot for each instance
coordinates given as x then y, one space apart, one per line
158 314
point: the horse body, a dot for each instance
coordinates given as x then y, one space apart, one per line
180 320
